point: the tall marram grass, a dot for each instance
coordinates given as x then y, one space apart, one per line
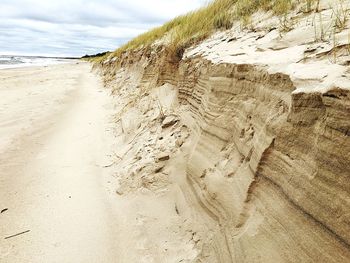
187 29
195 26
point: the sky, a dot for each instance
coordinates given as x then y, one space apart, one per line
79 27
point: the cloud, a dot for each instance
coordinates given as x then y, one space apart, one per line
77 27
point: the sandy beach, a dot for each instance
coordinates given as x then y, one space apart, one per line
59 175
55 139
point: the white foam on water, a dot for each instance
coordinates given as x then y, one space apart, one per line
8 61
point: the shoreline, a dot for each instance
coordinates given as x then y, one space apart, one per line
28 61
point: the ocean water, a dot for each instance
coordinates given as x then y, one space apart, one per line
7 61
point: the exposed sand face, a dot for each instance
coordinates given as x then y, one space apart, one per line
245 143
55 141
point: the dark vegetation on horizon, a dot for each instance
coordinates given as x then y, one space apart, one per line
96 55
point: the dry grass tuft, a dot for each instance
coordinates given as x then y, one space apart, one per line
341 13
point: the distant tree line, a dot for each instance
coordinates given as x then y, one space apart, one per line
96 55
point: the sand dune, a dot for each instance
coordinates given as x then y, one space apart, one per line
248 134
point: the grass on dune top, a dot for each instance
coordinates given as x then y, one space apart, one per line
195 26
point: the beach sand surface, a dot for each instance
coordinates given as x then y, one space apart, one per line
55 149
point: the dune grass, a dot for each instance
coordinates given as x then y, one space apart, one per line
188 29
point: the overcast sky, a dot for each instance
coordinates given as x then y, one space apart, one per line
79 27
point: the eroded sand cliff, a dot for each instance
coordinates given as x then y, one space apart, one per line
240 151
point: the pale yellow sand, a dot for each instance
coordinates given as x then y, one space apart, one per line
55 138
58 170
